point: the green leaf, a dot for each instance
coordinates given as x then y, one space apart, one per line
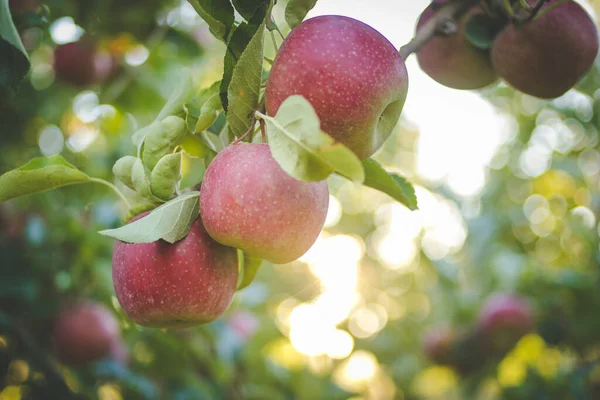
197 108
181 95
247 8
209 113
165 176
123 168
171 222
481 29
218 14
162 141
14 62
302 149
38 175
296 11
393 185
244 90
140 177
138 209
240 39
194 146
248 268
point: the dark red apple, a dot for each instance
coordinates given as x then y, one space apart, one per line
84 332
452 60
81 64
503 319
350 73
248 201
548 55
438 344
176 285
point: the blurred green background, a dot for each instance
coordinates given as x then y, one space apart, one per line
508 189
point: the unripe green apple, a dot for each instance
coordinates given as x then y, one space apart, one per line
176 285
452 60
248 201
84 332
548 55
350 73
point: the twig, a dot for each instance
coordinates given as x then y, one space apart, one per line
448 13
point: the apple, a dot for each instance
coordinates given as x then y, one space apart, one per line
438 344
84 332
452 60
503 319
351 74
548 55
20 6
248 201
176 285
81 63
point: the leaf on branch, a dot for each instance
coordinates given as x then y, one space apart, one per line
391 184
243 92
181 95
14 62
166 176
302 149
247 8
218 14
296 11
248 268
161 141
170 222
39 175
241 38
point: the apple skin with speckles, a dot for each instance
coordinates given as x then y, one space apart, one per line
351 74
248 201
187 283
84 332
548 55
503 319
453 61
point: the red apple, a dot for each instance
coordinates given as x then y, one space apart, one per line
452 60
438 344
548 55
19 6
176 285
504 319
248 201
84 333
82 64
350 73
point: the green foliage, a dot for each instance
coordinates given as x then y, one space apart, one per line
302 149
165 176
219 16
296 11
14 61
39 175
395 186
481 29
249 267
171 222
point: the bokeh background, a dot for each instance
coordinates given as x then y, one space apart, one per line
508 190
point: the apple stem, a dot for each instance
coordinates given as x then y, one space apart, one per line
250 129
113 188
447 13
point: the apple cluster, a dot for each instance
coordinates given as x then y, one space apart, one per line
504 318
543 54
357 82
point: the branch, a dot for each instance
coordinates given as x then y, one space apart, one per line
443 22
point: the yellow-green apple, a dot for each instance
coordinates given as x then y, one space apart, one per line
350 73
177 285
248 201
548 55
452 60
84 332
